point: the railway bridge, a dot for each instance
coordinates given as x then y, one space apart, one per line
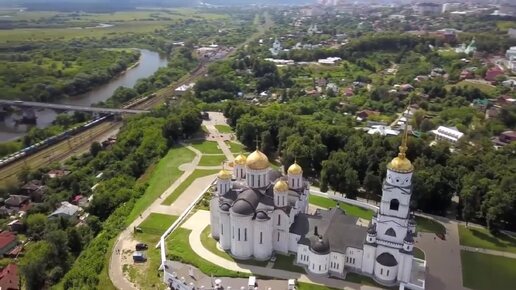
64 107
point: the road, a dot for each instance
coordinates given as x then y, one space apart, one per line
69 107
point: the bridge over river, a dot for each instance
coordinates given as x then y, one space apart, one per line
23 104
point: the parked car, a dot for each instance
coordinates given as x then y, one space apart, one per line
139 257
141 246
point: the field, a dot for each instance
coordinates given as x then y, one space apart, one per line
349 209
207 147
431 226
157 223
178 249
482 238
486 272
287 263
161 177
212 160
486 88
183 186
224 129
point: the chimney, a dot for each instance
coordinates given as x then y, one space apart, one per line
315 232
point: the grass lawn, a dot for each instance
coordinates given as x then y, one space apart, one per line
211 244
431 226
183 186
287 263
212 160
482 238
486 88
308 286
161 177
236 147
157 223
207 147
224 128
486 272
418 253
178 249
349 209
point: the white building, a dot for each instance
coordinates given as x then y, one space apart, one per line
382 131
256 212
330 60
511 33
276 47
450 7
448 134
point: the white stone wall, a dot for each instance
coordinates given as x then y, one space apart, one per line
223 186
239 171
384 223
295 181
405 268
241 235
224 230
354 258
303 255
318 264
280 199
257 178
214 217
385 273
336 262
262 239
293 240
368 259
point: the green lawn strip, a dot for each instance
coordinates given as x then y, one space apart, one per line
178 249
486 272
212 160
162 176
235 147
486 88
482 238
428 225
351 210
418 253
224 129
287 263
211 244
206 147
183 186
157 223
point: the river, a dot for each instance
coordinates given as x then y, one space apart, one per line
149 63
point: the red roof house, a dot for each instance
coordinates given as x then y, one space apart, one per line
492 73
7 242
9 278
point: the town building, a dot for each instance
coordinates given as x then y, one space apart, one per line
9 278
17 202
8 242
257 212
428 9
34 189
449 134
67 211
512 33
276 47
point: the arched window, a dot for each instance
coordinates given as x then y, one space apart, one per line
391 232
395 204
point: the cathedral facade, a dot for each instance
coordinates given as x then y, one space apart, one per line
257 211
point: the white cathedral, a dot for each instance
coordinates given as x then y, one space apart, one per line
257 211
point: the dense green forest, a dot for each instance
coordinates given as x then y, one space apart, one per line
48 74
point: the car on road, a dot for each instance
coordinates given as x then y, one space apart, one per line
18 102
141 246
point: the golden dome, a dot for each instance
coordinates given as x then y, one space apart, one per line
224 174
257 161
295 169
281 186
240 159
400 164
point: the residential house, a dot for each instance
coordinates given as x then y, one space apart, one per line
512 33
503 101
507 137
67 211
15 226
406 88
9 278
466 74
449 134
348 92
492 73
383 131
34 189
58 173
480 104
8 242
365 114
17 202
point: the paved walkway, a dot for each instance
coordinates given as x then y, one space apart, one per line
201 219
490 252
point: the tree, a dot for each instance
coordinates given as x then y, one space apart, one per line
372 184
33 265
172 130
95 148
36 225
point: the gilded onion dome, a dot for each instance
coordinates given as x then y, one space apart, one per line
257 161
295 169
224 174
401 163
240 159
281 186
